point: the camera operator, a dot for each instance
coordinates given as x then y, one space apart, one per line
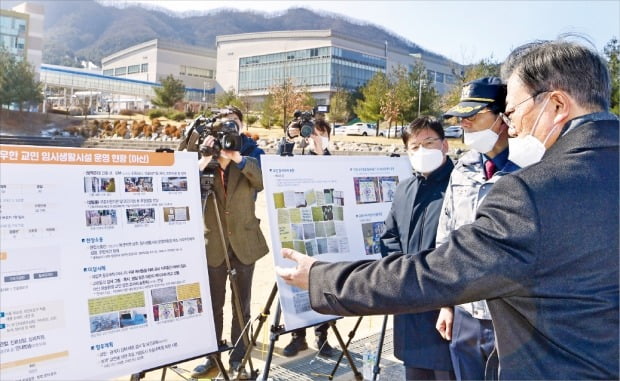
236 181
318 140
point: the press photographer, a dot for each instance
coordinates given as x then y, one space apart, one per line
232 160
312 133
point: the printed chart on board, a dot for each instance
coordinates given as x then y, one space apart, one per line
102 263
328 207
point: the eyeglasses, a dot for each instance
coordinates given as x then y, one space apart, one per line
506 115
426 143
472 118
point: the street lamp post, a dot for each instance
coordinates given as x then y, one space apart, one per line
204 93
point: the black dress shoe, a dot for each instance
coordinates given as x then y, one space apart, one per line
325 350
297 344
203 370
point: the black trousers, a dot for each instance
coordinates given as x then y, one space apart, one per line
217 284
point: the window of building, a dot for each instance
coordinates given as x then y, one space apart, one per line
430 75
439 77
133 69
144 67
120 70
108 72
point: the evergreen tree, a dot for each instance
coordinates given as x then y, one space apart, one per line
612 52
171 91
228 98
18 82
368 108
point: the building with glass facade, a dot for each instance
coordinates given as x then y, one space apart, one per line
21 32
320 60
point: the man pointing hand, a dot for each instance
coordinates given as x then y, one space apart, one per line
298 276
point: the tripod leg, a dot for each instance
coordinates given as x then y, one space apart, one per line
345 350
275 333
376 369
261 320
351 335
233 279
220 366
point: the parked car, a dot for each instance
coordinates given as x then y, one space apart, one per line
363 129
453 131
339 129
393 132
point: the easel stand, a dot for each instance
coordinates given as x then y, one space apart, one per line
376 369
182 372
278 329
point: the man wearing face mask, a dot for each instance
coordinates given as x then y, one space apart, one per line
411 226
543 249
468 327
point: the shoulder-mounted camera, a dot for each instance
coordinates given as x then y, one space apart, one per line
225 132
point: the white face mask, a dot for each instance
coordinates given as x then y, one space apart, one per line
482 141
528 150
324 142
426 160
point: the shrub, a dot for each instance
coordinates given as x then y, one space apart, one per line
176 115
155 113
190 114
250 119
127 112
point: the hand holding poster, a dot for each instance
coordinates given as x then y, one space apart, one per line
328 207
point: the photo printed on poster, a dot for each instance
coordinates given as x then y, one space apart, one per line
332 215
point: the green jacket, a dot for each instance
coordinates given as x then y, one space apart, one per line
237 213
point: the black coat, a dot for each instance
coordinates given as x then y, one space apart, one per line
543 251
411 226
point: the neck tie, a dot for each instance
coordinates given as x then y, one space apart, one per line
489 168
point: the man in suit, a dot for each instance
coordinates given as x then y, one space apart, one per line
543 249
237 178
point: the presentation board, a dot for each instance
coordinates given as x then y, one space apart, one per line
102 263
330 207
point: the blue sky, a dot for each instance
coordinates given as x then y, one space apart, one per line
465 31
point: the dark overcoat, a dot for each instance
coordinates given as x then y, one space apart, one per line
543 251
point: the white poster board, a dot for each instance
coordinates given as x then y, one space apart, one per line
102 263
330 207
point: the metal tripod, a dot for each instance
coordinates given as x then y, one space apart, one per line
206 187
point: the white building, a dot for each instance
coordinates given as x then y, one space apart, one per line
154 60
21 32
320 60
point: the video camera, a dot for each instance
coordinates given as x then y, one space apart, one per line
225 132
303 120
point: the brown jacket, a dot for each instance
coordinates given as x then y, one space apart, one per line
237 213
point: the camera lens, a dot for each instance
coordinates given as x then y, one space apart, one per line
306 129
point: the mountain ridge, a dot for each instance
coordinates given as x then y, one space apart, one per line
89 30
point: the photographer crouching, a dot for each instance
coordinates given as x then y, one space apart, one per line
232 162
